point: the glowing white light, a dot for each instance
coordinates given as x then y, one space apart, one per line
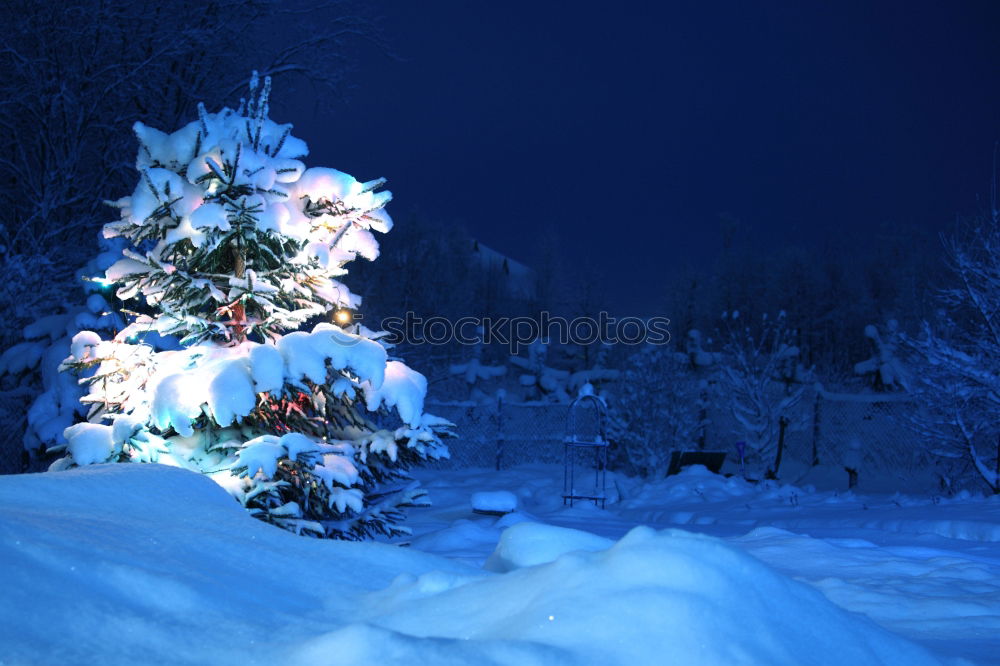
343 317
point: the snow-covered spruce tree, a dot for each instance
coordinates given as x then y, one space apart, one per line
957 362
760 379
234 242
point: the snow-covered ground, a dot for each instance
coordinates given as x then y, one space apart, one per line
121 564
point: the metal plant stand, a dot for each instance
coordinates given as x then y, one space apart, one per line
585 452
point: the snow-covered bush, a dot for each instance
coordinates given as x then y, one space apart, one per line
474 370
597 375
234 242
760 380
697 356
884 370
541 382
34 360
658 406
957 361
26 288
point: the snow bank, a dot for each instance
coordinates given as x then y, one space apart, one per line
674 596
694 481
118 564
126 564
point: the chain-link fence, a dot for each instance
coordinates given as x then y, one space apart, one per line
500 434
826 428
873 427
865 430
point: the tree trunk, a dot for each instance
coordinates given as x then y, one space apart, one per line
703 417
239 312
816 428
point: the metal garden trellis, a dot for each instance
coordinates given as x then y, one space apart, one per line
586 444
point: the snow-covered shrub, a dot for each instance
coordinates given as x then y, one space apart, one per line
541 382
34 359
658 406
760 380
697 356
597 375
473 371
885 371
27 286
957 361
235 242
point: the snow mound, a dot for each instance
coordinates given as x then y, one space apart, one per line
527 544
497 501
692 481
156 564
366 644
125 564
689 597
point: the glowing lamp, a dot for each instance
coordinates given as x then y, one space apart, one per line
103 282
343 317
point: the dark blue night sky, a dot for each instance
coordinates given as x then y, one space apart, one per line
631 127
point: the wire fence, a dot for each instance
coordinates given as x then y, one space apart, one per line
865 430
827 429
876 428
501 434
868 431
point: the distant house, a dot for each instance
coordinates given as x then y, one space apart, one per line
507 278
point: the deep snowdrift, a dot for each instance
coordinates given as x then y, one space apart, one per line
143 563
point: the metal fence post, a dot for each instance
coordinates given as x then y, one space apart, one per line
500 433
703 417
816 427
